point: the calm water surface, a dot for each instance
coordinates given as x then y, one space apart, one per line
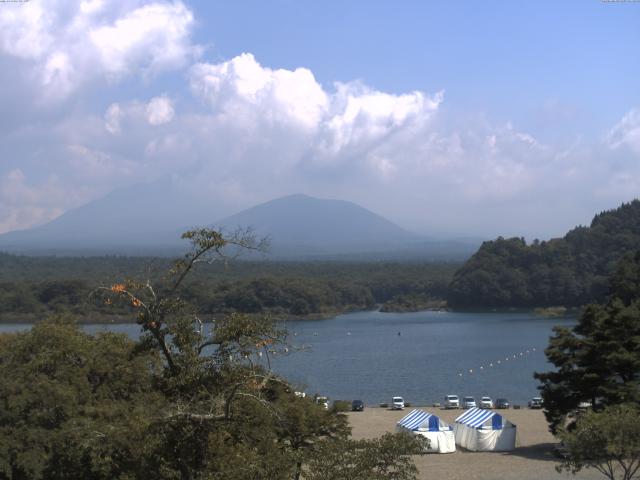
421 356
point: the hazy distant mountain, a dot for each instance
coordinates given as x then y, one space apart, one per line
303 227
130 220
317 225
148 219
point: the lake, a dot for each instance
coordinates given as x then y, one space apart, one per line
421 356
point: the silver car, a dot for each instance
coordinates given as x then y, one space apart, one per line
397 403
486 402
451 401
469 402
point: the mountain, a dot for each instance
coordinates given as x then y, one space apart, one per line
569 271
141 219
147 219
299 223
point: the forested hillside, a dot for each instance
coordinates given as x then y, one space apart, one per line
569 271
33 287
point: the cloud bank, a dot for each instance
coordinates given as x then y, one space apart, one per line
239 132
63 45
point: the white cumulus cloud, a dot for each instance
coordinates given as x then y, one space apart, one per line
350 120
159 110
62 45
241 87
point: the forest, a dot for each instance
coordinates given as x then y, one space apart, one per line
570 271
33 287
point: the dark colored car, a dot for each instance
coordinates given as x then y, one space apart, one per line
357 406
502 403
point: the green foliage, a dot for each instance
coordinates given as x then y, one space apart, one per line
597 361
178 404
341 405
71 402
569 271
387 457
607 441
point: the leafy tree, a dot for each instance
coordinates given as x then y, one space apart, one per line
74 405
569 271
387 457
607 441
300 424
187 401
598 360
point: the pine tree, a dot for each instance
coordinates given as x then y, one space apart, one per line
597 361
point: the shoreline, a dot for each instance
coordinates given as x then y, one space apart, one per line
117 319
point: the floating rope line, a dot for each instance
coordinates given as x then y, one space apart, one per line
514 356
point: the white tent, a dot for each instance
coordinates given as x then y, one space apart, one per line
439 433
484 431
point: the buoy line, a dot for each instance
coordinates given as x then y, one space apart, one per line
490 365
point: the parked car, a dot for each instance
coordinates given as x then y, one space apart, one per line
502 403
535 402
451 401
397 403
468 402
357 406
323 401
486 402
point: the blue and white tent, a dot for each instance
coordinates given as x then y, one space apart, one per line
484 431
440 434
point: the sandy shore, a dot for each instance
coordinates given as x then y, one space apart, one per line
533 458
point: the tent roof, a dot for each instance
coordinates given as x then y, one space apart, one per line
416 419
476 417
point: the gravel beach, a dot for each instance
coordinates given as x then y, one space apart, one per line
533 458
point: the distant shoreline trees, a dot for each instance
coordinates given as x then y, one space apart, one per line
32 288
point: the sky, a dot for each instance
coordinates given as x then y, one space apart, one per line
466 118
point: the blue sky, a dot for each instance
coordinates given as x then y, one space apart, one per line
452 118
510 59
